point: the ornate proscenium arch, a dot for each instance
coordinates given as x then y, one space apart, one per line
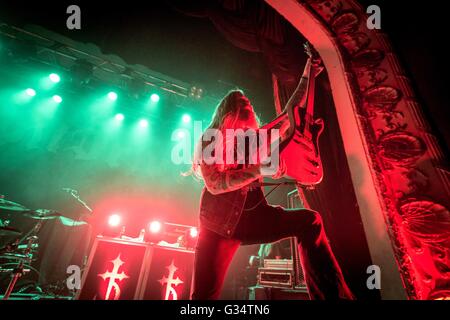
396 164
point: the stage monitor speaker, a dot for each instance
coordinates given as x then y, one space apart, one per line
130 270
169 274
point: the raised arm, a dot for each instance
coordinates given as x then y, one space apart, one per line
299 94
282 121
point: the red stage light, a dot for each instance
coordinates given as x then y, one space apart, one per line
193 232
114 220
155 226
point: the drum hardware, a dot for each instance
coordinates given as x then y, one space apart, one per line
23 261
10 206
3 270
6 231
42 214
21 254
18 255
13 256
15 251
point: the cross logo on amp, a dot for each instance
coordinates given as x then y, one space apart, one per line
171 282
113 276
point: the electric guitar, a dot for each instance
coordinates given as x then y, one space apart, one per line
300 148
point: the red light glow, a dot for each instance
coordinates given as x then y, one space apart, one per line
114 220
155 226
193 232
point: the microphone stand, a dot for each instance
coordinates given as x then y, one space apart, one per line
75 195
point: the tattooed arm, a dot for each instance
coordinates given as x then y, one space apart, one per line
217 181
299 94
297 97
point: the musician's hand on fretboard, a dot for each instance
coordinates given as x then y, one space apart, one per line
314 57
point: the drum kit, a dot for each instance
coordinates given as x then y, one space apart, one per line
19 253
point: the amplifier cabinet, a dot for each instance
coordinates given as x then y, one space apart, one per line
276 278
129 270
169 275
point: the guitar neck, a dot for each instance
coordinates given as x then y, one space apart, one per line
309 103
310 96
275 122
306 101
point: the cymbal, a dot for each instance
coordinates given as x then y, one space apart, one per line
11 206
9 231
13 256
42 214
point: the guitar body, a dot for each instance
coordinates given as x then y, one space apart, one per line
300 151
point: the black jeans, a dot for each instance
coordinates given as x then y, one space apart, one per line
263 223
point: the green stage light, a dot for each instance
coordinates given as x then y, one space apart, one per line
186 118
119 117
143 123
23 96
154 97
57 99
30 92
112 96
54 78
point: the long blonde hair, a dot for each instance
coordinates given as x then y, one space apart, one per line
226 108
225 116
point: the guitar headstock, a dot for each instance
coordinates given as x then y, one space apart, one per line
310 51
314 57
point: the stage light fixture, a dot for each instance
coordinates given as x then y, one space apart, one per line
196 93
154 226
114 220
189 238
193 232
143 123
112 96
57 99
186 118
119 117
30 92
154 97
55 78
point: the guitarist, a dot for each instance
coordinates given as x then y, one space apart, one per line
234 211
